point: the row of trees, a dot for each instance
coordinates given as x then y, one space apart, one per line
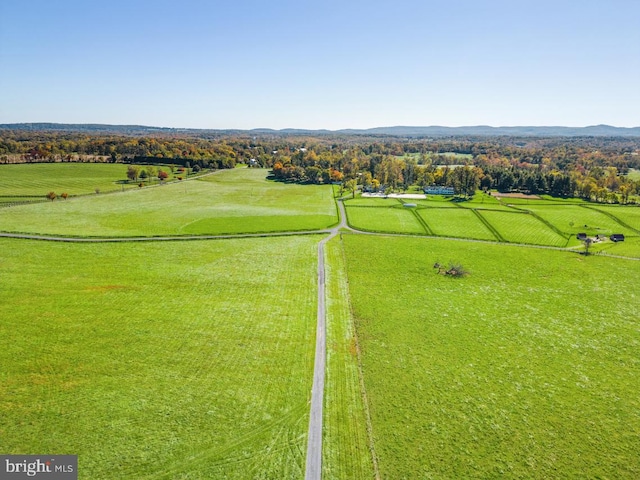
136 172
591 167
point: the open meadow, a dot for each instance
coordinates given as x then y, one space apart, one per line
346 452
626 215
395 219
592 221
521 227
229 201
526 368
159 360
458 222
33 181
194 359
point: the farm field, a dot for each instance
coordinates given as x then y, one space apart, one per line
346 452
373 202
392 219
526 368
229 201
436 201
482 200
38 179
444 217
629 248
523 228
629 215
195 359
575 219
460 222
159 360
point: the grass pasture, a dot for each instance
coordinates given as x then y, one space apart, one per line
458 222
194 359
629 215
38 179
391 220
372 202
574 219
629 248
527 368
164 360
523 228
346 452
436 201
229 201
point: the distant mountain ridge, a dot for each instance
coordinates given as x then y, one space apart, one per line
397 131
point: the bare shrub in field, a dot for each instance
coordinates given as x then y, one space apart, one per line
453 270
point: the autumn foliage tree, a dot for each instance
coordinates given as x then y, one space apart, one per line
133 172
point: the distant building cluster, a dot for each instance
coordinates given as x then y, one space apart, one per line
439 190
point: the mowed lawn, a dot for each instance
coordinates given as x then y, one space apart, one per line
573 219
229 201
380 219
456 222
527 368
38 179
164 360
628 214
629 248
523 228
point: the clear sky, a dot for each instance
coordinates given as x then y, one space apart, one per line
320 64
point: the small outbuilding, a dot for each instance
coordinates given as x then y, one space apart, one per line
409 205
617 237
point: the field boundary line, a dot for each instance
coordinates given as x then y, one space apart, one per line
547 223
486 223
612 217
166 238
422 222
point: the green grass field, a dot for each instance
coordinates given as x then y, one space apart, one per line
229 201
575 219
345 445
436 201
458 222
527 368
38 179
194 359
629 215
372 202
164 360
393 220
629 248
523 228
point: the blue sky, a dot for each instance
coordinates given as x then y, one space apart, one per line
320 64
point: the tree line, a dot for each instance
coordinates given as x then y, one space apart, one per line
593 168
